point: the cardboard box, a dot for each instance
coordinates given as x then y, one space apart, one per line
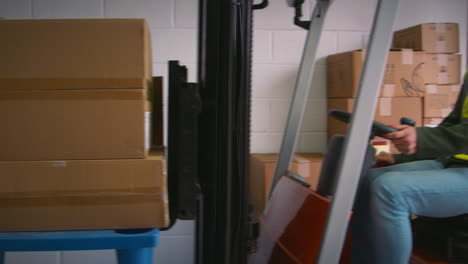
83 194
74 54
430 37
388 111
432 121
72 124
262 168
442 68
440 100
78 93
403 76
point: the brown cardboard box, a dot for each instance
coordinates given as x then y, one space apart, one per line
403 76
72 124
442 68
440 100
262 168
74 54
388 111
83 194
432 121
78 93
431 38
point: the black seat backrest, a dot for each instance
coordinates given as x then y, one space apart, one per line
329 172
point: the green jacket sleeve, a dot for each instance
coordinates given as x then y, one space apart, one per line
441 141
438 142
448 138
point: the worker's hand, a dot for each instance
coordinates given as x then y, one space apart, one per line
405 139
384 159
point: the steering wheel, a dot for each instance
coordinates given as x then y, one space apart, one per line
378 128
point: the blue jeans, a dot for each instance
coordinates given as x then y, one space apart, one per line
380 226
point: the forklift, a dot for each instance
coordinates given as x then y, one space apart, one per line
208 145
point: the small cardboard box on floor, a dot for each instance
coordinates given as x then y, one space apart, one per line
404 75
262 168
388 111
74 89
440 100
430 38
83 194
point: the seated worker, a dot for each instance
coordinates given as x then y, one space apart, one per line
429 178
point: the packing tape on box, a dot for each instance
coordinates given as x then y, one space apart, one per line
388 90
79 193
442 59
407 56
440 27
86 94
96 200
303 166
440 45
456 88
432 121
61 84
445 112
363 54
431 89
59 163
442 77
385 106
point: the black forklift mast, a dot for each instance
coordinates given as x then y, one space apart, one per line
208 134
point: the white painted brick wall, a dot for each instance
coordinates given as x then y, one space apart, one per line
263 45
174 44
351 15
158 14
277 51
347 27
68 9
185 14
15 9
89 257
46 257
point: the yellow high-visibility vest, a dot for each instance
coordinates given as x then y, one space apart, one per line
464 115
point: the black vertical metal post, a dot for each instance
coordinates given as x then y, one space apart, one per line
224 82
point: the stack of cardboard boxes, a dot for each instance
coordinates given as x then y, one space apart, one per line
418 83
440 43
76 127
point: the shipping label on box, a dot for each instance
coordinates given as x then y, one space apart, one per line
442 68
403 74
440 100
431 38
